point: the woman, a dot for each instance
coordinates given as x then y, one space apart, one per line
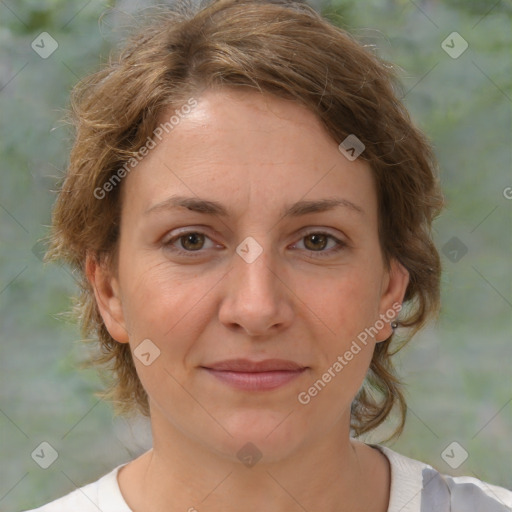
250 206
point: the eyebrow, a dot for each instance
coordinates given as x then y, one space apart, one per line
209 207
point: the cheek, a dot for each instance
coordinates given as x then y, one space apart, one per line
170 311
347 307
155 298
345 350
347 303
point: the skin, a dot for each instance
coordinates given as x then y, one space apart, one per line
256 154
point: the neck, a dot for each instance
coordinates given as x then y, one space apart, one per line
330 473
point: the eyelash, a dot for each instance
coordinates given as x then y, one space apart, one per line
315 254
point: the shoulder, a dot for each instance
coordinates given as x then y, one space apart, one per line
416 486
103 494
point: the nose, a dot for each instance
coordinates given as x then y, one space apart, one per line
256 298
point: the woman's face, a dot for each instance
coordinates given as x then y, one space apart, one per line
255 273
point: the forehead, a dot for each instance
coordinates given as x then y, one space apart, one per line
233 146
245 121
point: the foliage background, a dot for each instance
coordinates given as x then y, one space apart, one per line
458 370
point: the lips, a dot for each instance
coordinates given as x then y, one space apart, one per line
248 366
247 375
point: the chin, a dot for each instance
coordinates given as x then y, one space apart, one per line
269 434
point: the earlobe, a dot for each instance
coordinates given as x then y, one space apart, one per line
106 292
392 298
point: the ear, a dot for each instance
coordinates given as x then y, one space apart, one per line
107 293
394 287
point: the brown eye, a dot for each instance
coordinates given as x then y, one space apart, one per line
192 241
318 241
189 244
318 244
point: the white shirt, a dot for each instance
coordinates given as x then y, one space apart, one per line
415 487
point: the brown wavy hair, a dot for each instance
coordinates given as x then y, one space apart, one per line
280 47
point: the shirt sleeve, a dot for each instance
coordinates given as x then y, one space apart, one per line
103 495
443 493
469 493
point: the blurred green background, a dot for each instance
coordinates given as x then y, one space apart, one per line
458 370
